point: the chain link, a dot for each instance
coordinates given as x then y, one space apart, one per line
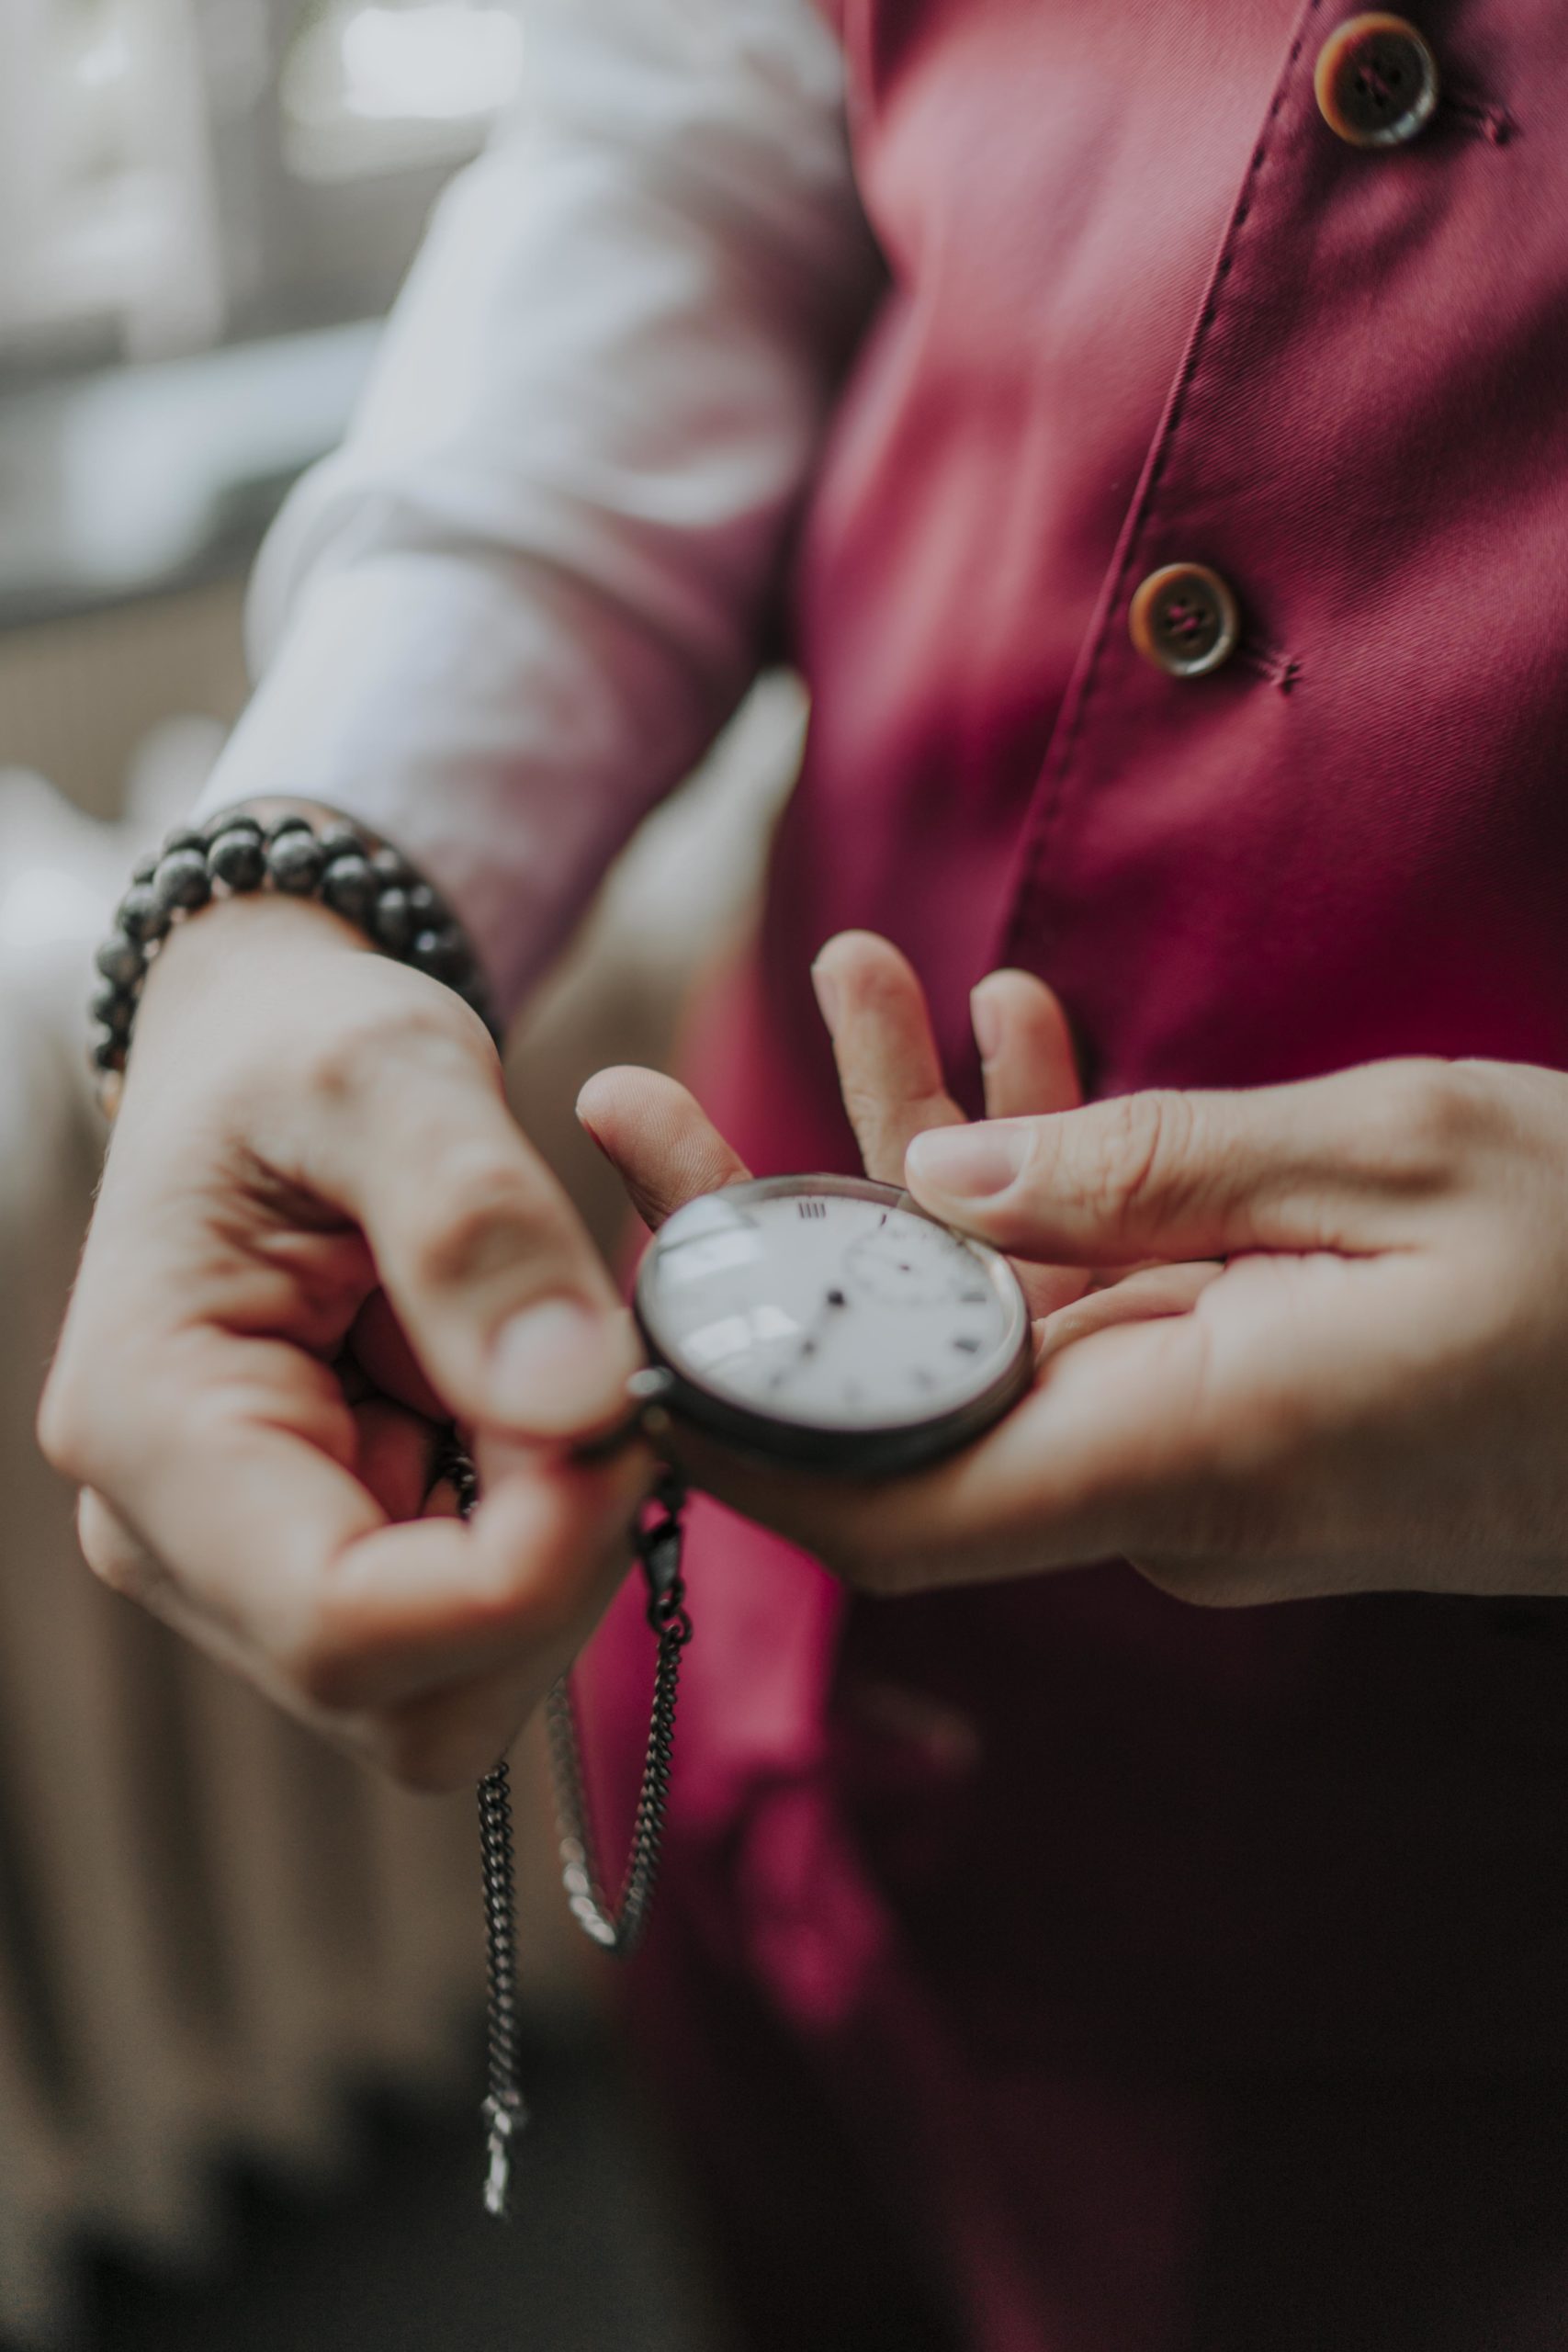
504 2110
614 1925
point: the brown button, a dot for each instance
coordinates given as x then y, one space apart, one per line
1184 620
1376 81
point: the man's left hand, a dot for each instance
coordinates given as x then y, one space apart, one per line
1306 1340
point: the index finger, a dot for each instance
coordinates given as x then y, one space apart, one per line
889 1071
487 1265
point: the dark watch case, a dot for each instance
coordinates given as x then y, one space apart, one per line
861 1453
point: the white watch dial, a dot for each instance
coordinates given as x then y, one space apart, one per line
842 1310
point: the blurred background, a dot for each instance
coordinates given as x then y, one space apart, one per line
239 1984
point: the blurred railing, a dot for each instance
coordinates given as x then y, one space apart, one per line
211 1924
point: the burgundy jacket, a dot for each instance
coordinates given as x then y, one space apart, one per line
1149 307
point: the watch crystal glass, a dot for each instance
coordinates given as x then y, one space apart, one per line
832 1304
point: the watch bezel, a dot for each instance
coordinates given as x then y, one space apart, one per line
878 1451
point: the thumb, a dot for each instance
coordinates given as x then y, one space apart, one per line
1170 1175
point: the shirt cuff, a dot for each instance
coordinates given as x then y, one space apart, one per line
505 732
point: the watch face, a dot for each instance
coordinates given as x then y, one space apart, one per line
828 1319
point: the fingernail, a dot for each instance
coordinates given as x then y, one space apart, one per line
558 1368
968 1163
827 989
984 1019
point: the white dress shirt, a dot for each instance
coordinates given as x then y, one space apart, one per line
514 608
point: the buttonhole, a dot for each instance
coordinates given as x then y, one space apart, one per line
1266 661
1495 124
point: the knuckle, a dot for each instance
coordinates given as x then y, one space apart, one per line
488 1222
864 1107
347 1056
1143 1150
1414 1120
405 1019
1157 1131
1449 1110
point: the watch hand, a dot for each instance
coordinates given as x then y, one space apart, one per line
811 1339
831 1306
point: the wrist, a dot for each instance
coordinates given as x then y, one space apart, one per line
236 948
250 882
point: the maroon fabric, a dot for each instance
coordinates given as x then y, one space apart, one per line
1029 1880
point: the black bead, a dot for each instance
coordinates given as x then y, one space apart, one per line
281 825
108 1053
349 887
294 862
181 880
114 1008
142 915
184 837
339 838
238 858
390 867
441 952
425 906
393 922
119 959
145 868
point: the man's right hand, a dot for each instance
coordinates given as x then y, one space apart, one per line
320 1237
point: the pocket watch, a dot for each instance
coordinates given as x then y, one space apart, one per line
823 1322
827 1322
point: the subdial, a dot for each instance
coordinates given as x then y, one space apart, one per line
897 1266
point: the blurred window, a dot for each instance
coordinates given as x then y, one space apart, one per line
107 203
177 173
380 86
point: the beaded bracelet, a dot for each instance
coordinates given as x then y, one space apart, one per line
376 890
371 886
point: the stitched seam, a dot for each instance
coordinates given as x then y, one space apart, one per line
1178 403
1041 832
1495 124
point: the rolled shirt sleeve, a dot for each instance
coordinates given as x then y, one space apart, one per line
513 609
